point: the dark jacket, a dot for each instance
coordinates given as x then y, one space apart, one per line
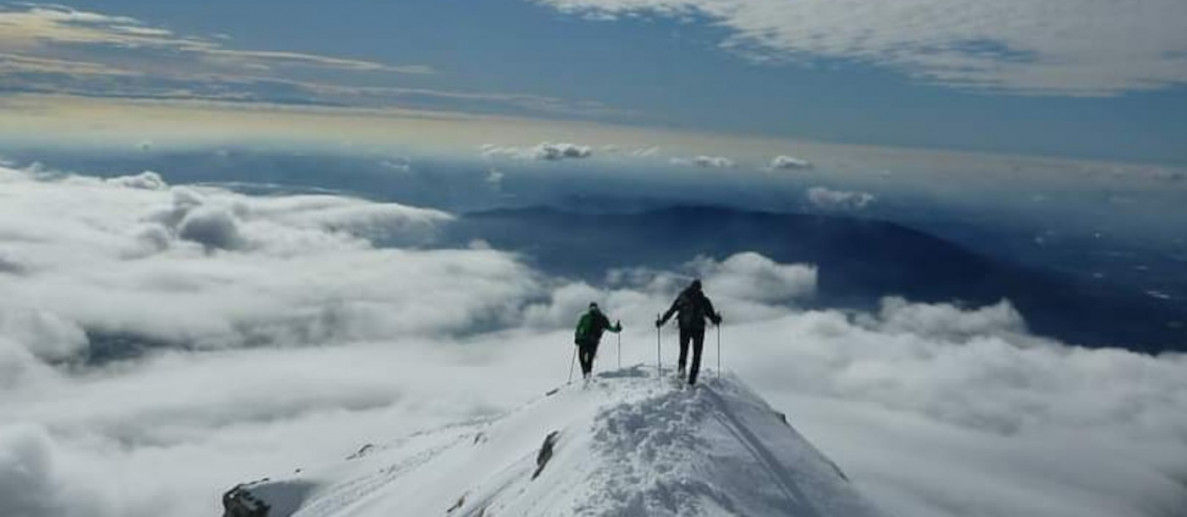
591 326
694 307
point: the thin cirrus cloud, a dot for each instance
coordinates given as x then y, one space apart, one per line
58 50
285 337
48 32
1053 47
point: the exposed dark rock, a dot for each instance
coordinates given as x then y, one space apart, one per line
361 452
545 452
461 501
239 502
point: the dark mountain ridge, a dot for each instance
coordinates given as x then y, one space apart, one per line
860 261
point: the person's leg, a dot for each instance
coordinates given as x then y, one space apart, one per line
585 356
698 344
685 335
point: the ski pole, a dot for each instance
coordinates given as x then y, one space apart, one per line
619 349
571 364
658 360
719 347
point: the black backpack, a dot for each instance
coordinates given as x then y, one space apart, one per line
692 309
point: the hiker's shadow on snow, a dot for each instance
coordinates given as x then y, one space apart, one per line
635 371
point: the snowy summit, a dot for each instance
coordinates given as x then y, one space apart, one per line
627 444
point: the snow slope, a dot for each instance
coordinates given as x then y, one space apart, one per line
628 444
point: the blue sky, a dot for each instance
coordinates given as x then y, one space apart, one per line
1070 78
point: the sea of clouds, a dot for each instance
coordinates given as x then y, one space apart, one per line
159 344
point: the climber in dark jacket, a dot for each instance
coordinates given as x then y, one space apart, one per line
694 307
589 334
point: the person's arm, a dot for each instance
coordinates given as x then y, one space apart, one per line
713 316
616 328
672 309
604 322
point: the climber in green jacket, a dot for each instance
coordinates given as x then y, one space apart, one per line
589 333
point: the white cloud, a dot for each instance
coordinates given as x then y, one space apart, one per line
560 151
48 336
547 151
147 180
645 152
828 199
212 227
784 162
494 178
58 50
311 340
753 277
715 162
36 31
135 261
1071 47
32 482
397 164
1007 423
898 316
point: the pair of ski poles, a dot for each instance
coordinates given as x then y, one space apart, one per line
573 362
659 354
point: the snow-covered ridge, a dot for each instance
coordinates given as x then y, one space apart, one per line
628 444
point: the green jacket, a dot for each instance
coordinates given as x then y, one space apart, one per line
591 326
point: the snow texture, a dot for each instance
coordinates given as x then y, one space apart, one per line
628 444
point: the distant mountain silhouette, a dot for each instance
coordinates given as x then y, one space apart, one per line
859 262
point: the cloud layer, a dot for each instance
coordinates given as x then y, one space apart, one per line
133 261
546 151
828 199
784 162
710 162
1065 47
290 330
